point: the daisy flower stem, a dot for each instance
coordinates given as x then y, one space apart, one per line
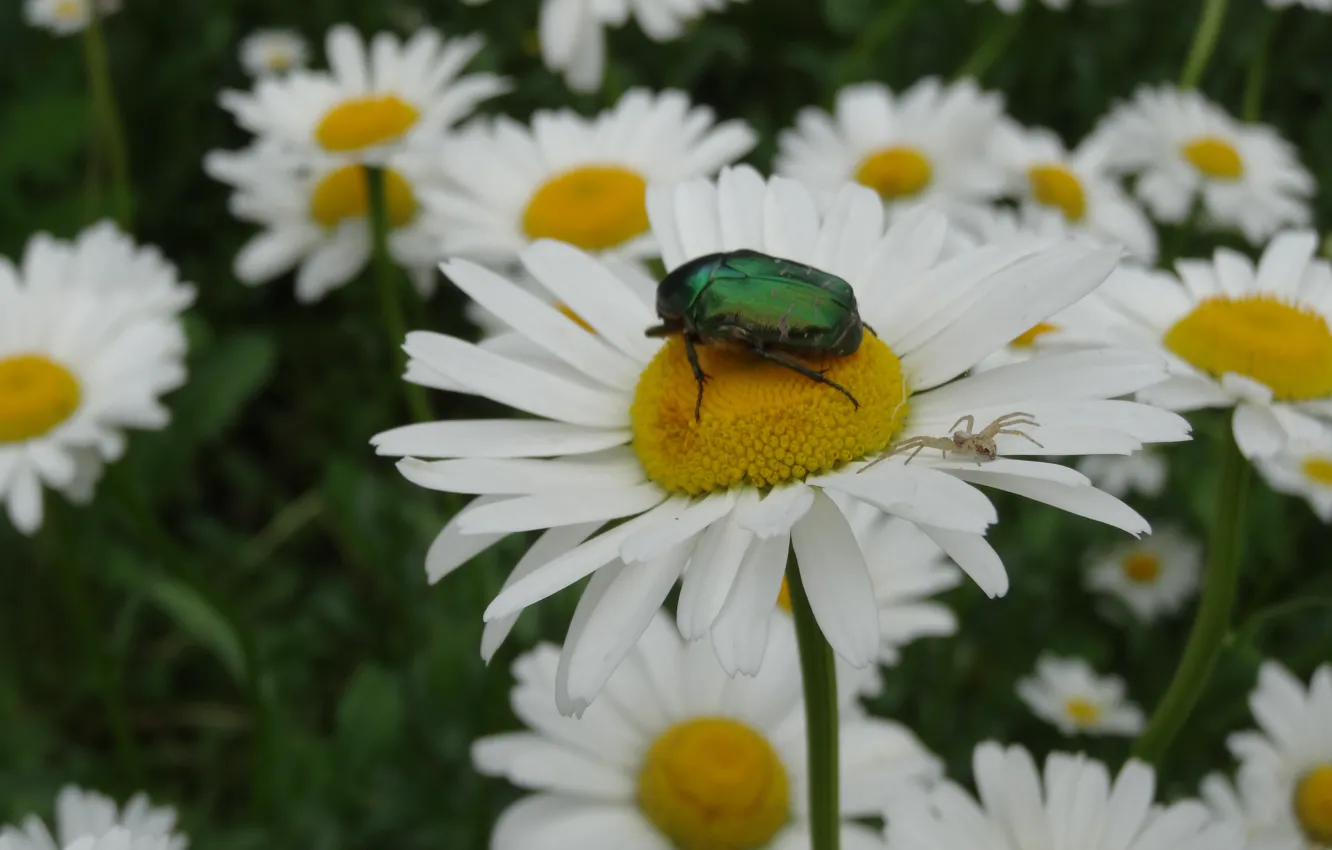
108 137
991 47
820 683
1257 75
1211 624
1204 42
390 287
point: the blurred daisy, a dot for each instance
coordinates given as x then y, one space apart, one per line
368 105
1121 476
1008 7
315 218
1286 763
1076 185
573 42
1253 338
79 363
66 17
679 754
1073 804
274 51
1154 576
575 179
1318 5
86 819
708 484
1252 807
1067 693
930 144
1303 469
1184 147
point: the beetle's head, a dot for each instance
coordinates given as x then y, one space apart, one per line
677 290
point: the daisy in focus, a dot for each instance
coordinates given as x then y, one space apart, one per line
1075 184
1067 693
86 819
1303 469
681 755
575 179
273 51
87 349
929 145
709 493
1255 338
1121 476
66 17
1073 804
315 217
375 98
1154 577
1286 764
1184 148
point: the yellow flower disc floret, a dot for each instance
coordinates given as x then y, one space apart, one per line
1056 186
1318 469
1141 567
343 194
1285 347
1313 804
36 395
363 122
1214 157
761 423
898 172
1083 712
711 783
594 207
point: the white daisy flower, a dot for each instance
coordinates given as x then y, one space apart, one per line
66 17
1067 693
726 482
573 40
576 179
1075 184
273 51
679 754
315 217
1072 805
1142 472
1303 469
1184 147
79 363
1253 338
372 102
86 819
927 145
1316 5
1289 757
1154 577
1251 806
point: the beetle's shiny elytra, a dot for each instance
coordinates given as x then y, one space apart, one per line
773 307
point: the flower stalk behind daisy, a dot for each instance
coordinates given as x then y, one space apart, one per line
106 141
1204 43
1212 622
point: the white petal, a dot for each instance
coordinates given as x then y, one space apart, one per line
1084 501
531 761
518 475
837 582
496 438
777 511
1258 433
712 570
740 634
549 510
650 543
451 548
975 556
918 493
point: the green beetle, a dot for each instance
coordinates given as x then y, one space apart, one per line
770 305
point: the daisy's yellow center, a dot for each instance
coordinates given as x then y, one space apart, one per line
1285 347
1056 186
714 784
70 10
343 194
784 597
1318 469
1084 712
279 59
1313 804
898 172
1214 157
1141 567
362 122
761 423
594 207
1028 337
36 395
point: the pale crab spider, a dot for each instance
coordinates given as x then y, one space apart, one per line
978 446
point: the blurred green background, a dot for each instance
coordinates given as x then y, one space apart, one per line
251 578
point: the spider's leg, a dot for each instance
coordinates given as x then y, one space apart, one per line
969 419
692 356
1023 434
802 369
919 449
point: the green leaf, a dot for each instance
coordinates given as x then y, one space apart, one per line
845 17
370 714
225 379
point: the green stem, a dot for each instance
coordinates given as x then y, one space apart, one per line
390 287
991 47
819 677
1212 622
874 37
1257 76
108 135
1204 42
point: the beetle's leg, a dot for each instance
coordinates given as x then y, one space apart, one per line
664 329
804 370
699 376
